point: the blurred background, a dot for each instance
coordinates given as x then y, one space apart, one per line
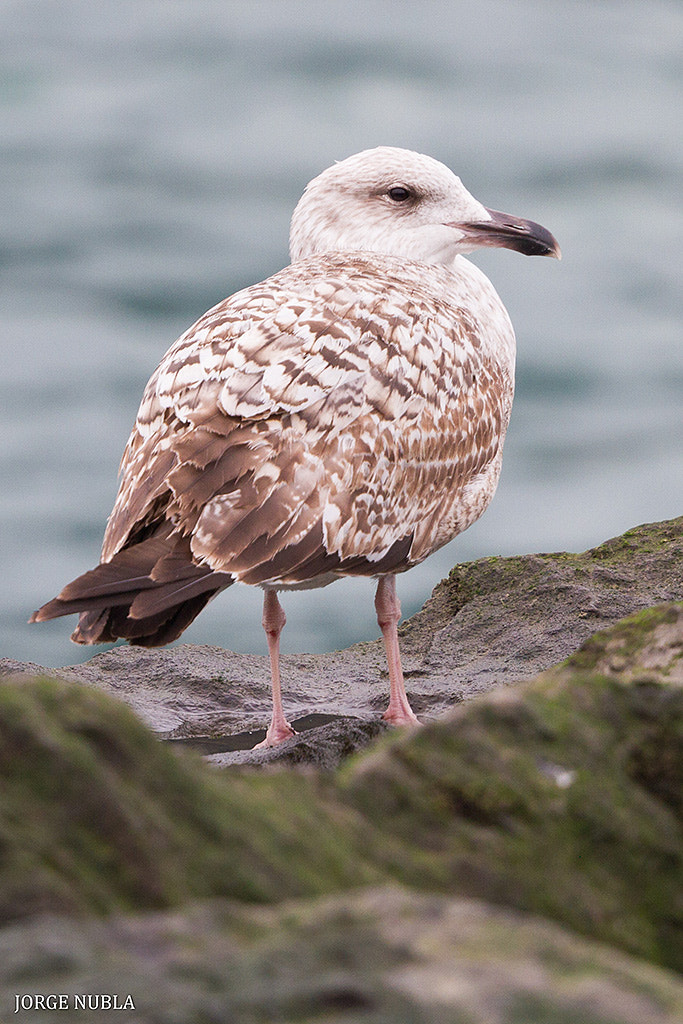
152 153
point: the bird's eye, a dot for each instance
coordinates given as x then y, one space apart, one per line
399 193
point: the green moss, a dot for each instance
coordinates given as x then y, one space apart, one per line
650 537
461 588
561 796
96 814
654 548
619 650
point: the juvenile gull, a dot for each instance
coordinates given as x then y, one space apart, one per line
344 417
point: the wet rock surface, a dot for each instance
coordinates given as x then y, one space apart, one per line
491 622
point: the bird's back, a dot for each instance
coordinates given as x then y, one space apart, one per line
343 416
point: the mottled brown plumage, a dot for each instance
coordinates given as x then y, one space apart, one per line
344 417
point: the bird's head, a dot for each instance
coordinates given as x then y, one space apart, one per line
402 203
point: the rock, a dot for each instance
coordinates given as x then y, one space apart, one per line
518 859
559 796
96 814
562 795
323 745
504 619
379 956
493 621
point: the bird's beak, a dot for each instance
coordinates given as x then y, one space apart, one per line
510 232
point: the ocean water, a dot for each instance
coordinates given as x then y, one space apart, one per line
151 153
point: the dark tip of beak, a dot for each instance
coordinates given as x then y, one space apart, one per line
510 232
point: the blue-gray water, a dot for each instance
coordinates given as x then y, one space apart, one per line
152 152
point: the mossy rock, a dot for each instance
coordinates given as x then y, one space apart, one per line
492 621
97 815
559 796
647 558
562 795
377 956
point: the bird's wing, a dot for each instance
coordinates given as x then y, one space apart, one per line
325 419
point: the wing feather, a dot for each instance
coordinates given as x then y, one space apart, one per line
320 419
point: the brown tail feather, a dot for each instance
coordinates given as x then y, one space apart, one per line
168 595
92 628
154 631
122 598
129 569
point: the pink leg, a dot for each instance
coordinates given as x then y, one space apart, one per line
388 608
273 621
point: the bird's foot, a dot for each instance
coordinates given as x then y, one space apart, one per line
276 734
400 716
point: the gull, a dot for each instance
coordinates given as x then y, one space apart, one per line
344 417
